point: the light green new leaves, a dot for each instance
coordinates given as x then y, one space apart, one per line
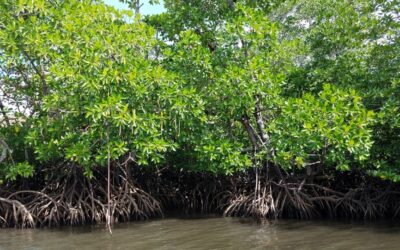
96 81
352 44
103 89
332 128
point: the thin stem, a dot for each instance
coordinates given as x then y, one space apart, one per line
108 181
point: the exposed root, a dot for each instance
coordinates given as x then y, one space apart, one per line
75 200
130 202
72 199
15 213
305 200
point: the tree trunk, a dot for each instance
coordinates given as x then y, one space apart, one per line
260 122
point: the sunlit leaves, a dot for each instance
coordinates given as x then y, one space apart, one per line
95 81
23 169
105 94
332 127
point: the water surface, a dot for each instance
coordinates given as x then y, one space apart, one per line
210 233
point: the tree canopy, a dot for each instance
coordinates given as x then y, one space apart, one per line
215 86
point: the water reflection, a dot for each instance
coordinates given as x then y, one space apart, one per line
210 233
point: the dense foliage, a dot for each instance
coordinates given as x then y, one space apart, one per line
216 86
85 75
241 64
275 108
353 44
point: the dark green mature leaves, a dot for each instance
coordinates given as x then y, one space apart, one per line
229 84
237 57
352 44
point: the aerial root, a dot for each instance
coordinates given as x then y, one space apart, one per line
73 199
303 200
15 213
76 200
130 202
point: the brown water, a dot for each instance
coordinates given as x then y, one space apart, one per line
210 233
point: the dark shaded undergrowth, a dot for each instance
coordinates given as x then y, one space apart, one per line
67 197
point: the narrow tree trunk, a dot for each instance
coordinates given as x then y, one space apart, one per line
253 138
3 154
108 219
250 131
3 112
260 121
137 6
257 186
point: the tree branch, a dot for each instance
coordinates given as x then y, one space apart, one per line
250 131
3 112
260 122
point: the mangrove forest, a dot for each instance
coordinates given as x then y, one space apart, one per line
262 109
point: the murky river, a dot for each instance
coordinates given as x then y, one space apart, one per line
210 233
